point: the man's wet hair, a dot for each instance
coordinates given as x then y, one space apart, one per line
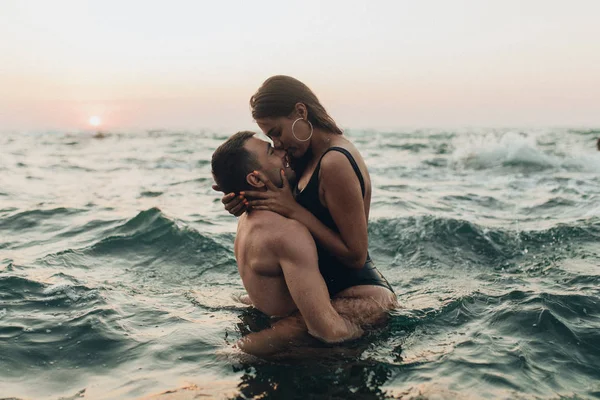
231 163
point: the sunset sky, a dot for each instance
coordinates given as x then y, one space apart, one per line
377 64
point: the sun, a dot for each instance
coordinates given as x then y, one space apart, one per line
95 121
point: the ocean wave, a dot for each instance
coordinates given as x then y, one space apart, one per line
456 242
475 199
411 147
592 132
495 150
546 206
150 193
56 325
405 236
155 234
154 248
403 319
523 152
35 218
523 328
566 319
16 289
72 168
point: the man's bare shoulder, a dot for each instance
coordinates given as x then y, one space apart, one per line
275 229
265 237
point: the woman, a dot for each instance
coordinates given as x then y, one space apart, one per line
332 192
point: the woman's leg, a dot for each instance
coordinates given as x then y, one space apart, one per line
365 305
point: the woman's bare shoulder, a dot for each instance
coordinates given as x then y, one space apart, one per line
333 160
345 143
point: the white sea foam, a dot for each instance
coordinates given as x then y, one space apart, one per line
486 150
482 151
65 288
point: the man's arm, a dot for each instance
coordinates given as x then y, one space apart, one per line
295 249
299 261
288 339
274 341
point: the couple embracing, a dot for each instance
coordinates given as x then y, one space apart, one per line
302 242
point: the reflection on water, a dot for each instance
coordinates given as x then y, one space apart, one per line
333 381
332 372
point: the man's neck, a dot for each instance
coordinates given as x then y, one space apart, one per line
256 189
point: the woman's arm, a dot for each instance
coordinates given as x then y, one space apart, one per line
234 205
343 197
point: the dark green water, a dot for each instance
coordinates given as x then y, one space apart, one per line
117 274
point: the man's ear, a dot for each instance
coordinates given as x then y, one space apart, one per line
254 181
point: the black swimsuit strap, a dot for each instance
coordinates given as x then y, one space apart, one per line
352 162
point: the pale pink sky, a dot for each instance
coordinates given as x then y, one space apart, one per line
381 64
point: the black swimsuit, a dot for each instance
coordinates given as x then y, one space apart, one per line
337 276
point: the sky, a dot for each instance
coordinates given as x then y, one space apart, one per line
376 64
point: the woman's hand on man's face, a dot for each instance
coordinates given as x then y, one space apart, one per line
235 205
279 200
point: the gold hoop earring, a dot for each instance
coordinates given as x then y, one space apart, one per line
309 136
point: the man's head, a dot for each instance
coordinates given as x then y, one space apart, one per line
234 161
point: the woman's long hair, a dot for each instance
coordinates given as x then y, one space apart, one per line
278 95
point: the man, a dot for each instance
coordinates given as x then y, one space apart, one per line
276 256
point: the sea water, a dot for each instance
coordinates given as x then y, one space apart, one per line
118 280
